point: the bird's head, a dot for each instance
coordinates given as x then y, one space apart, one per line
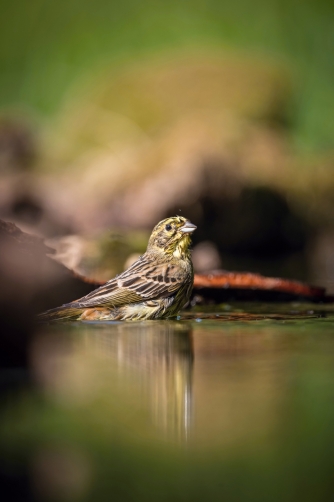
172 236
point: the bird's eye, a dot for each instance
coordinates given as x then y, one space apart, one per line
168 227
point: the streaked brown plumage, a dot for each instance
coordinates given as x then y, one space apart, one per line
156 286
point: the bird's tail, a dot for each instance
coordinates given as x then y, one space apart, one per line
66 312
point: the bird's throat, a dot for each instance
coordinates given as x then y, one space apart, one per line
181 250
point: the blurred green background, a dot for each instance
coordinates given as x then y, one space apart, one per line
114 115
222 111
48 46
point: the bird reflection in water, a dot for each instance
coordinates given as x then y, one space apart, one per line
159 354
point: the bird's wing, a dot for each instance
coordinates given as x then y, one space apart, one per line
146 279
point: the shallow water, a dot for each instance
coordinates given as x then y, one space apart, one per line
240 393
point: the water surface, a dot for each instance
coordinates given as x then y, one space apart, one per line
223 402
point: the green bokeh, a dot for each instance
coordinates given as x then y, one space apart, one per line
45 46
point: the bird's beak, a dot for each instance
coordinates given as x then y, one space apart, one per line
188 227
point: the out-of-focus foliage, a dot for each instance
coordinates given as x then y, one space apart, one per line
145 110
116 114
45 46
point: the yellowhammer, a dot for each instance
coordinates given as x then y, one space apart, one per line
156 286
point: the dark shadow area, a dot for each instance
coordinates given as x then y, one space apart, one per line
253 228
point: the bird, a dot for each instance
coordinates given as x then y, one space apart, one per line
156 286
